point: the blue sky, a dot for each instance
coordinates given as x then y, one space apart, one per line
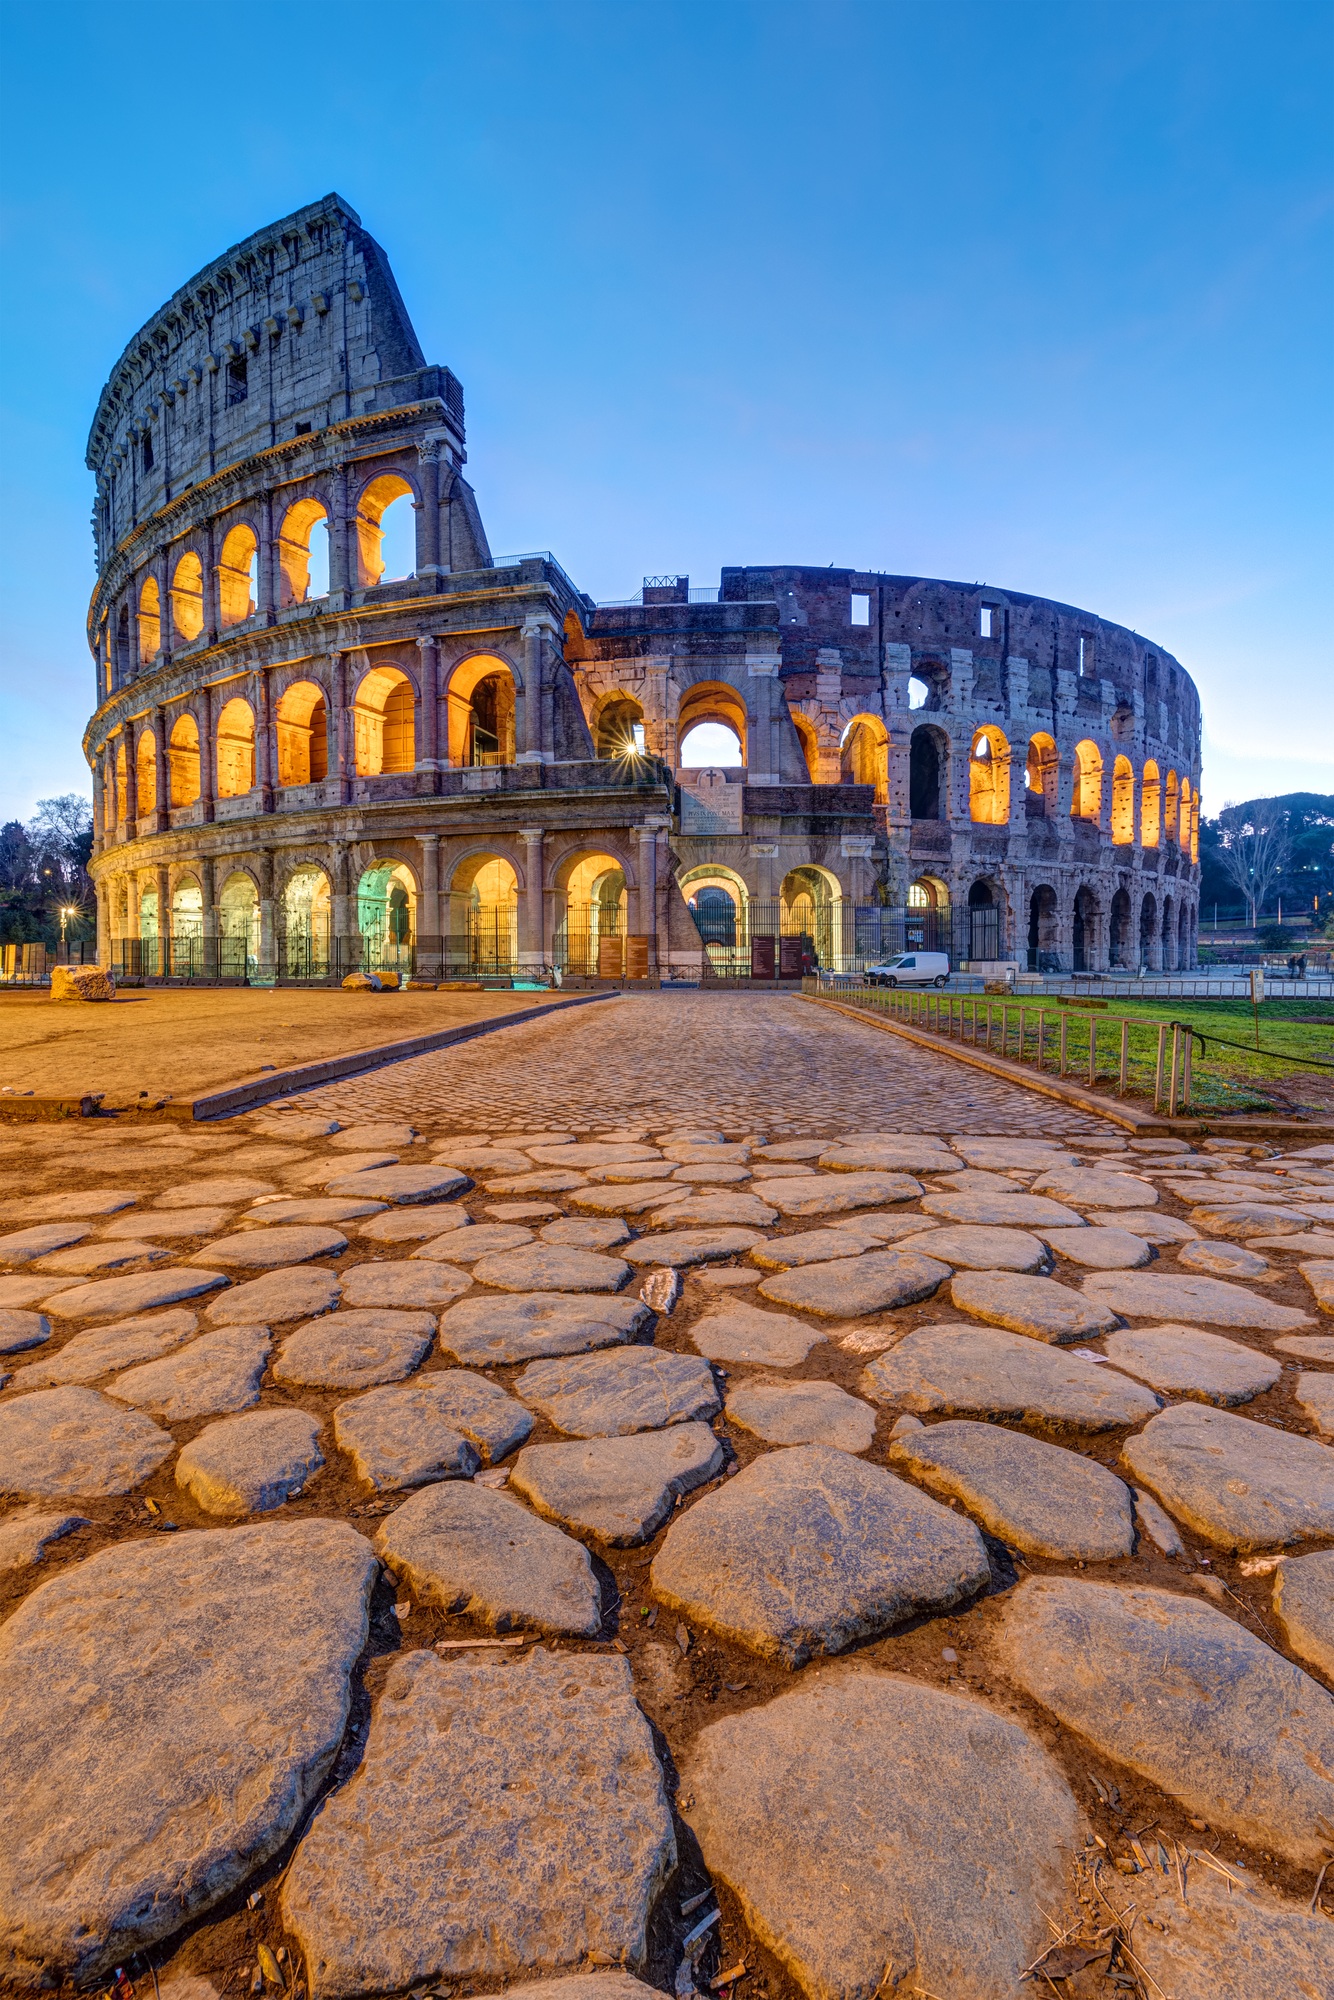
1032 292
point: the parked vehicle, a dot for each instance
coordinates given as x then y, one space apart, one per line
911 968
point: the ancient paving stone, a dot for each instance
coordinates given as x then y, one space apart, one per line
735 1331
1097 1187
170 1710
906 1156
68 1207
167 1224
619 1490
1319 1243
1304 1607
27 1533
1307 1346
221 1192
471 1550
88 1260
400 1184
802 1413
713 1152
484 1239
972 1180
20 1330
550 1267
1224 1942
316 1173
1160 1528
999 1155
715 1210
285 1124
1240 1484
683 1247
404 1283
219 1373
640 1172
974 1828
1248 1220
622 1390
791 1149
1044 1500
252 1463
1149 1224
987 1372
71 1443
811 1246
630 1198
545 1180
23 1289
1238 1734
871 1282
1006 1211
1183 1296
1222 1260
1184 1361
481 1160
708 1175
1038 1307
22 1245
138 1292
311 1208
355 1350
103 1348
971 1247
491 1332
263 1249
372 1136
586 1232
1319 1275
840 1194
810 1549
524 1212
414 1225
526 1814
276 1297
1100 1249
1314 1396
440 1426
591 1153
884 1228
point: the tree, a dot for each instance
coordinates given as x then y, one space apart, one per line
1254 848
1307 880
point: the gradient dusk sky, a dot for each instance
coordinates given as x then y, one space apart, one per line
1030 292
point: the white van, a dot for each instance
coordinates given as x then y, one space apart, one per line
910 968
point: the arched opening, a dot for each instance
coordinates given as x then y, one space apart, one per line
719 902
187 909
150 622
481 707
864 756
121 783
384 717
1042 778
593 925
1171 795
306 927
1183 817
484 915
620 728
1169 955
122 656
1150 806
919 694
238 575
810 745
810 902
989 778
386 531
985 940
1044 939
183 761
303 553
1120 940
303 735
238 927
927 915
1195 829
926 774
1148 934
145 773
715 913
711 727
148 924
1086 794
236 749
387 917
187 597
1123 803
1183 940
1087 941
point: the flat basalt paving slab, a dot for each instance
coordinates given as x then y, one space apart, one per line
591 1153
20 1330
973 1247
1044 1500
1100 1248
974 1831
905 1156
1149 1224
167 1223
586 1232
551 1267
1246 1220
1186 1361
1001 1155
497 1331
484 1239
1238 1483
841 1194
810 1246
1038 1307
617 1490
413 1225
718 1210
90 1355
20 1246
277 1297
355 1350
1227 1941
250 1464
137 1292
683 1247
1097 1187
88 1260
527 1817
310 1209
989 1372
1307 1346
788 1412
169 1710
69 1207
1314 1397
481 1554
217 1374
543 1180
1319 1275
399 1184
1304 1608
27 1533
627 1198
1004 1211
442 1425
871 1282
1234 1732
221 1192
73 1444
403 1283
622 1390
1183 1296
264 1249
809 1549
735 1331
1222 1260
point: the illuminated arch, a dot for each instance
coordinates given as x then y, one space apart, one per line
1171 797
145 773
618 727
1086 793
484 911
236 749
376 499
300 521
1150 807
864 755
1195 828
1183 817
238 575
187 597
150 622
928 773
480 706
384 713
122 783
989 778
1042 777
303 735
183 761
1123 808
711 702
593 919
307 906
238 923
187 908
810 744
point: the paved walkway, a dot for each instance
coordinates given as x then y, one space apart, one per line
733 1061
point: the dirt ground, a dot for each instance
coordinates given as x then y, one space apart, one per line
183 1042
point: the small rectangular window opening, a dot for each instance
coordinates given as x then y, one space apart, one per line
237 389
861 607
1085 655
988 627
637 734
148 451
300 430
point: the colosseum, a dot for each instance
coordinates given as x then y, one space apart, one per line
302 765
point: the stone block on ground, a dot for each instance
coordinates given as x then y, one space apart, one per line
629 1198
1240 1484
276 1243
81 982
622 1390
169 1710
72 1443
404 1282
735 1331
1234 1732
711 1176
528 1821
1304 1608
1217 1259
1185 1361
1100 1248
484 1239
169 1224
96 1352
871 1282
840 1194
809 1549
109 1298
1041 1498
221 1191
979 1371
1314 1397
1038 1307
617 1490
479 1553
20 1330
1161 1529
974 1247
683 1247
905 1156
355 1350
1247 1219
89 1260
440 1426
374 1133
20 1246
505 1328
810 1246
27 1533
1149 1224
551 1267
277 1297
252 1463
399 1184
586 1232
68 1207
717 1210
1002 1211
1097 1187
787 1412
1000 1155
1181 1296
936 1837
218 1374
414 1225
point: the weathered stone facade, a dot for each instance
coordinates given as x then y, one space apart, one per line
474 766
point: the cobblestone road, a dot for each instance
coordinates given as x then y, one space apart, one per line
730 1061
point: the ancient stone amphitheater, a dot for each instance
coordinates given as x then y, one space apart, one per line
303 764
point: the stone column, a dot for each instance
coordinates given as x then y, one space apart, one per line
343 925
340 758
131 781
762 747
536 718
428 513
212 609
99 806
266 581
162 801
647 896
264 743
428 728
267 965
429 931
132 666
208 890
103 926
208 755
163 875
166 629
340 567
532 925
